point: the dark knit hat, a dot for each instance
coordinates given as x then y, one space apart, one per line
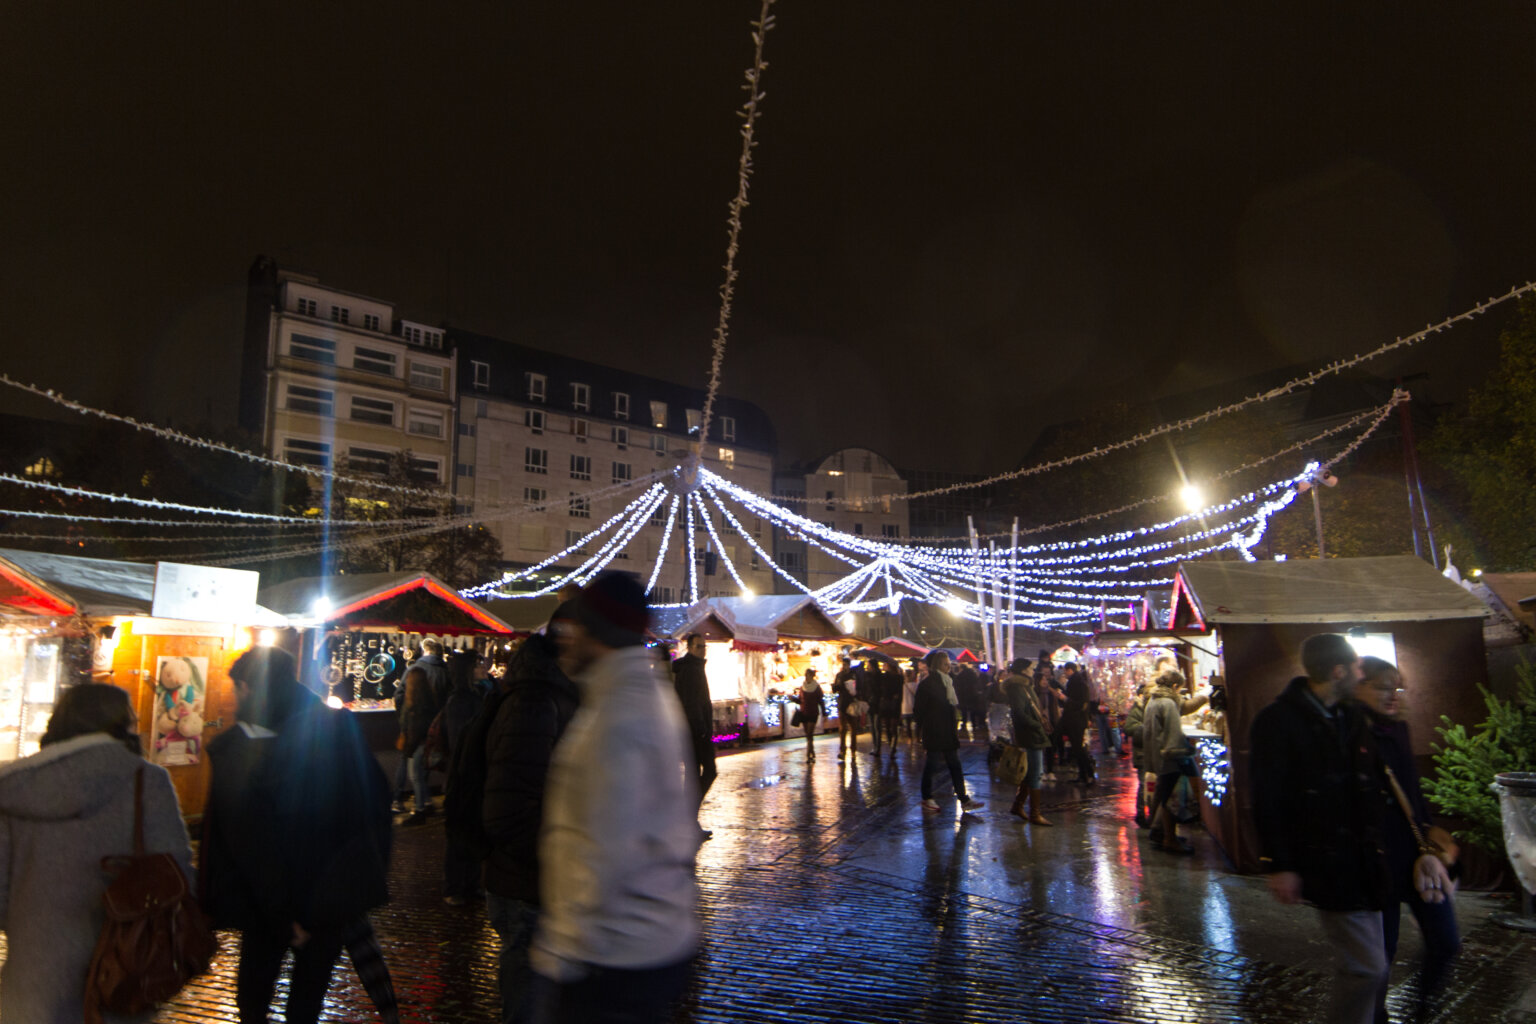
613 609
1019 665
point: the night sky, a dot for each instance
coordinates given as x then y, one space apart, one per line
968 219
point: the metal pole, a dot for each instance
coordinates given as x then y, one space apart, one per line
1317 514
1013 588
981 602
1411 453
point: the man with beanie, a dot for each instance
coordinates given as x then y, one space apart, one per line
619 926
935 709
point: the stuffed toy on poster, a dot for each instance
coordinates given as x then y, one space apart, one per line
180 691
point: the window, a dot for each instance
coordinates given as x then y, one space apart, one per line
858 529
536 460
580 428
428 377
621 437
308 307
427 471
581 507
425 339
573 542
464 469
727 428
668 595
318 350
695 417
306 453
757 560
620 405
374 361
370 321
705 560
424 423
890 530
728 456
466 429
533 537
482 374
581 467
658 515
581 397
659 415
373 410
535 495
434 339
831 504
368 460
43 467
340 314
621 473
792 561
536 382
659 444
313 400
533 419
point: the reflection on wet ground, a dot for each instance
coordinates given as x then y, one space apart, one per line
828 896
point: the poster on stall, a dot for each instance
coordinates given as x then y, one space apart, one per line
180 690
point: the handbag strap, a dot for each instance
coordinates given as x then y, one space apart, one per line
1402 801
138 812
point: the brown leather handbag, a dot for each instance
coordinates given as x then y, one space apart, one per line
155 937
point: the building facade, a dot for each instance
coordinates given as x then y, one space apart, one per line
331 378
540 431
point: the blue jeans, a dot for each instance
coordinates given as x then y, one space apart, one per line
1036 768
419 778
514 921
1442 941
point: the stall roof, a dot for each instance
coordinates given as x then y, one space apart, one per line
679 622
412 602
1383 589
523 614
1518 592
91 586
793 615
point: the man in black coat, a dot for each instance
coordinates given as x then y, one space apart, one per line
1318 802
530 712
296 835
692 684
935 708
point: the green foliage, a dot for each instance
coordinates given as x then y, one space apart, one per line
1468 760
1490 451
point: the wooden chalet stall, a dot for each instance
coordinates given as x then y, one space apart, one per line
1252 618
166 633
354 630
723 665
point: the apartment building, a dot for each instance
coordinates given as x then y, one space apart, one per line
330 377
542 428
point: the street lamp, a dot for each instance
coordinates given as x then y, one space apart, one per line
1193 498
1321 476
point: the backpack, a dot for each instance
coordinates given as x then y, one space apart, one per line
155 937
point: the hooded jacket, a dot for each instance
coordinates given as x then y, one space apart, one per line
1029 729
616 851
61 811
1162 734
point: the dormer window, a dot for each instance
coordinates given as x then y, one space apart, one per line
482 375
340 314
727 428
620 405
659 415
308 307
695 418
581 397
536 384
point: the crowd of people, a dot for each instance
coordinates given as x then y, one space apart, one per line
574 782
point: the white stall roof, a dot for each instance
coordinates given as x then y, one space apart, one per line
1383 589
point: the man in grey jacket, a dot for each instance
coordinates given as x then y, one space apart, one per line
620 928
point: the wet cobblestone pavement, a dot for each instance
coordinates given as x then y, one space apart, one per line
828 896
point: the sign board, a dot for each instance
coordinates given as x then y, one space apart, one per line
204 593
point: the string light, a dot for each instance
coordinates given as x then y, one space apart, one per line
84 492
666 542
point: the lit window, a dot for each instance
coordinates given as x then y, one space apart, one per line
482 372
728 456
536 382
621 472
695 417
536 460
533 419
581 467
44 466
727 428
373 410
620 405
581 397
659 415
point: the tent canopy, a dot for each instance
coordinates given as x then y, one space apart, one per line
1382 589
39 583
791 615
411 602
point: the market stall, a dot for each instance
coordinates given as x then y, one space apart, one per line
167 633
722 664
1245 621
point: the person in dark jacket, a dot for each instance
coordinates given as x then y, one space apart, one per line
935 709
296 835
847 687
973 701
1379 692
1318 803
1074 722
425 686
813 708
688 675
535 705
461 867
1029 734
888 686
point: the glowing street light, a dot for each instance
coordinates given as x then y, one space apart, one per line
1193 498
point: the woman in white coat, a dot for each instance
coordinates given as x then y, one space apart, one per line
61 811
